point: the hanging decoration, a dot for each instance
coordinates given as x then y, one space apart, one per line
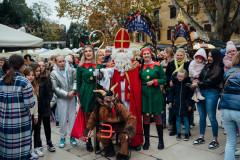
139 21
181 30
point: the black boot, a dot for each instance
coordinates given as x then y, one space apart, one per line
160 136
89 145
97 146
146 128
109 150
122 157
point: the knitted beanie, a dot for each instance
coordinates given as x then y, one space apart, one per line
230 46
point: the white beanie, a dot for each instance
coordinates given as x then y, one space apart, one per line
230 46
68 58
201 52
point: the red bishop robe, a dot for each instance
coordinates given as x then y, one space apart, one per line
134 98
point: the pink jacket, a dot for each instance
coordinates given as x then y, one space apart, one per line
227 60
194 67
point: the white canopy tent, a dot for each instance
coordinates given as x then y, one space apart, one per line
10 38
48 54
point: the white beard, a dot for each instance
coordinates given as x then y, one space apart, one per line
122 60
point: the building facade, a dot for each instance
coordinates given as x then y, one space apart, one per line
166 17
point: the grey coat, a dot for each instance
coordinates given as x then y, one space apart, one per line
58 83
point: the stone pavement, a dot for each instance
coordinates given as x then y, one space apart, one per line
174 150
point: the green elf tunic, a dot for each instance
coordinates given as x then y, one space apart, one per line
152 98
86 83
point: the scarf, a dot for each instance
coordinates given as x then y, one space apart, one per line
179 65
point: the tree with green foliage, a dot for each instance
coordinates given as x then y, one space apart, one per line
103 15
75 42
51 31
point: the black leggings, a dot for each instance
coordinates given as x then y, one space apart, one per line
37 131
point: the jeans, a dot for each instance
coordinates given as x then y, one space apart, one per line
208 107
56 113
230 120
170 116
191 115
186 123
163 115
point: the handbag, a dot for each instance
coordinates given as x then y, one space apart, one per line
228 79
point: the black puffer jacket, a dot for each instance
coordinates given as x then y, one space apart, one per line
44 98
180 96
171 68
207 80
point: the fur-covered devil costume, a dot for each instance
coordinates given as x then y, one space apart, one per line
109 110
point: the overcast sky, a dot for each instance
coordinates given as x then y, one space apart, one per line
52 4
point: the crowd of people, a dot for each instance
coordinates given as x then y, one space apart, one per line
147 88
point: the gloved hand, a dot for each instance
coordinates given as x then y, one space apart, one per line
86 131
131 131
96 72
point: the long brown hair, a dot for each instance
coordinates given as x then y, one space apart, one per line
236 60
169 51
15 63
26 72
34 65
45 75
83 59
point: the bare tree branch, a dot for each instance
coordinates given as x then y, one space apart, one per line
211 17
190 19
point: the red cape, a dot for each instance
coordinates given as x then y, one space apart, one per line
135 100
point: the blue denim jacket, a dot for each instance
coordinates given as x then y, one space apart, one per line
231 96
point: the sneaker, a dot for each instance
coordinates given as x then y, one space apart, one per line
178 138
50 147
186 138
214 144
62 143
191 126
183 126
200 140
38 152
172 133
237 153
57 124
33 154
209 124
73 141
194 98
200 97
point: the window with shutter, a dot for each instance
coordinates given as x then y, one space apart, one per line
173 12
169 34
208 27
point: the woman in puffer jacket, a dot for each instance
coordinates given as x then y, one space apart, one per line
229 106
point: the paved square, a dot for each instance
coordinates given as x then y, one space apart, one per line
174 150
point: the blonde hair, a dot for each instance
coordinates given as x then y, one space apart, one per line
100 51
83 59
169 51
236 60
181 50
183 71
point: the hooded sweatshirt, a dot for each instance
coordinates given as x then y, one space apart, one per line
194 67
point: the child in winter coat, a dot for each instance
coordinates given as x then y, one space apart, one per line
179 99
231 50
195 69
